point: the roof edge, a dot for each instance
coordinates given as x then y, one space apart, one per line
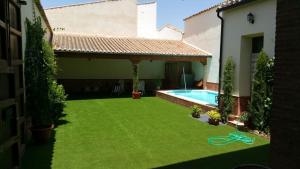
107 36
202 11
171 27
78 4
231 6
147 3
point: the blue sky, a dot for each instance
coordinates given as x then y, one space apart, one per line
168 11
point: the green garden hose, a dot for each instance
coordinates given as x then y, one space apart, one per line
232 137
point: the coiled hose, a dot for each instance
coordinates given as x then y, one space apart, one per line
232 137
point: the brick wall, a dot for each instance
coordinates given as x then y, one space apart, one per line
212 86
285 129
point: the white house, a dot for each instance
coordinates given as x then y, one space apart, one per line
242 39
249 27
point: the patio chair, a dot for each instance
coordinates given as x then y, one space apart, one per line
199 84
251 166
117 89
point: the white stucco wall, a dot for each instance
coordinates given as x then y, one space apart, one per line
27 11
238 33
113 18
204 31
147 20
169 34
72 68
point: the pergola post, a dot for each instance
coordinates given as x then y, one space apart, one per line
205 74
135 79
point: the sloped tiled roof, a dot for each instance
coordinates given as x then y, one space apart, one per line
64 42
227 4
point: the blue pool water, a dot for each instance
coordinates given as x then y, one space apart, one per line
205 96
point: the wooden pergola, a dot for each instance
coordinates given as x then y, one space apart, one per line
133 49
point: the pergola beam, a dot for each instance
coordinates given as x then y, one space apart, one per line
135 57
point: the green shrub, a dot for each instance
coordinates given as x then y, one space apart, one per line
197 109
45 99
244 117
261 96
228 80
56 93
57 97
36 75
215 115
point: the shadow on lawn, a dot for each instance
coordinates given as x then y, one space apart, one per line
39 156
256 155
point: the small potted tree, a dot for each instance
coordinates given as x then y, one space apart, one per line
214 117
136 94
44 98
196 111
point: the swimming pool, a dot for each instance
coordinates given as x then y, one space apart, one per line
204 97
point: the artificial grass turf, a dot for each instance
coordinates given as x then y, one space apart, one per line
136 134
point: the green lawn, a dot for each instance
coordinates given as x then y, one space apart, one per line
136 134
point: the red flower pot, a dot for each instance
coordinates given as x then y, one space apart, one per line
42 134
136 95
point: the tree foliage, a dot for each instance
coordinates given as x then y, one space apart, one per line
42 91
261 95
135 78
228 80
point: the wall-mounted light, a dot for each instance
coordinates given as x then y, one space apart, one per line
250 18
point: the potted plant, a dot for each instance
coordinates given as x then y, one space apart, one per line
196 111
214 117
245 118
41 88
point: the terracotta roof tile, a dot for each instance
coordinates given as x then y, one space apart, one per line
64 42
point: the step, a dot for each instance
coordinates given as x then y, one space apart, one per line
233 117
235 123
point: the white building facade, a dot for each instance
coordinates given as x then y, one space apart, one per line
243 40
203 30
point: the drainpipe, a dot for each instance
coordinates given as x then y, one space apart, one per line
220 59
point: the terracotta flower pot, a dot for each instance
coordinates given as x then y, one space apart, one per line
213 122
196 115
42 134
136 95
